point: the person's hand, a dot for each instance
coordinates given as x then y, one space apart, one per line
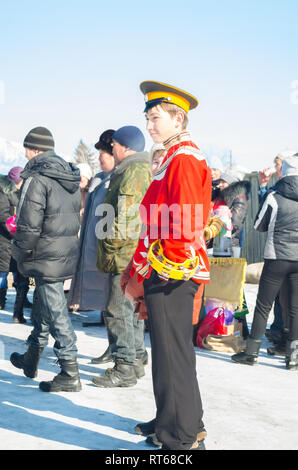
141 309
264 176
125 276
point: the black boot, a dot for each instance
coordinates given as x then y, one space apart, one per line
28 361
68 380
122 375
280 348
104 358
18 315
250 355
292 355
3 291
144 357
139 368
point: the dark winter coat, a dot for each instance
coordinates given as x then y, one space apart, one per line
236 197
8 203
89 287
128 185
46 243
278 215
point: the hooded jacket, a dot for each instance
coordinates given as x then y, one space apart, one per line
8 203
278 215
236 197
46 242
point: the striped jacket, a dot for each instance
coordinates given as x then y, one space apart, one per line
278 215
176 208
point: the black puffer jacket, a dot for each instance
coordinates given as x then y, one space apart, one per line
278 215
46 243
236 197
8 203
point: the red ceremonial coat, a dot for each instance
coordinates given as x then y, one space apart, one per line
176 208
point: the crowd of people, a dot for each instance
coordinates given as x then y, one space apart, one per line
103 242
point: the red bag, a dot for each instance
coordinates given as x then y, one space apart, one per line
211 325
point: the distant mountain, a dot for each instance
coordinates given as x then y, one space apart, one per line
13 154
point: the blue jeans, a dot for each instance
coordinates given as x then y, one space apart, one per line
3 280
50 317
125 331
18 279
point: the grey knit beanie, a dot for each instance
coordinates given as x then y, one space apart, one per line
39 138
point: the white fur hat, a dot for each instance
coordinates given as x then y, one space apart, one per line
290 166
154 149
285 154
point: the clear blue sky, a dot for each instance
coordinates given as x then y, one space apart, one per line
75 67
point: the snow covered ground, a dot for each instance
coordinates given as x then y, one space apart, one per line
244 407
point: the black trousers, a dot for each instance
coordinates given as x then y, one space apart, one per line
274 274
177 396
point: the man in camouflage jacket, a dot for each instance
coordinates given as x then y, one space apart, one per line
118 232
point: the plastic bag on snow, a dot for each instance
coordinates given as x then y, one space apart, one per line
211 325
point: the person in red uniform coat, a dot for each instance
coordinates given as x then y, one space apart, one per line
171 261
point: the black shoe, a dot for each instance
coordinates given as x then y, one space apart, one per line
144 357
145 429
19 319
250 355
139 368
153 441
67 381
195 446
28 361
280 348
121 375
200 446
104 358
274 337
